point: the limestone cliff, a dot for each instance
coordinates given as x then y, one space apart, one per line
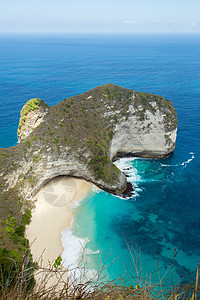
148 131
80 137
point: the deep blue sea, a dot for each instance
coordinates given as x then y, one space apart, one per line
163 217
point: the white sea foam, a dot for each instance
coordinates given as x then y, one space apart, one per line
136 193
189 160
124 164
185 163
75 204
74 250
95 189
90 251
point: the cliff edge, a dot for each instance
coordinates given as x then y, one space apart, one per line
80 137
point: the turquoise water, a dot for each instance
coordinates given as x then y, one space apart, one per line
164 214
143 230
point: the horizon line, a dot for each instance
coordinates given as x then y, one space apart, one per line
60 32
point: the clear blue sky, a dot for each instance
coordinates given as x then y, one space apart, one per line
100 16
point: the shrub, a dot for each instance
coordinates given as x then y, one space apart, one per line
18 283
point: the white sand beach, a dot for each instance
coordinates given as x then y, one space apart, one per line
51 215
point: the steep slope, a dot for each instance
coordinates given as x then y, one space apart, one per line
80 137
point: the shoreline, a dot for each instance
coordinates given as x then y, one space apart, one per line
52 214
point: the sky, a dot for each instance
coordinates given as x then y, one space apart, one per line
99 16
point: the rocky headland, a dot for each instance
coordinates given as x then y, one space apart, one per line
79 137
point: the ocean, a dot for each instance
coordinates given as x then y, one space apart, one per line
159 227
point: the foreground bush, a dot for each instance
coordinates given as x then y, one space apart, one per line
54 283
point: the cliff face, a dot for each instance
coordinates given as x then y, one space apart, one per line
80 137
149 131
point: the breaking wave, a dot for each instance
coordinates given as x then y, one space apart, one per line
74 251
125 166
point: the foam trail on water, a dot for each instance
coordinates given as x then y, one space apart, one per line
185 163
189 160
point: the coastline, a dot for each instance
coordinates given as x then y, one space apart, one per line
53 213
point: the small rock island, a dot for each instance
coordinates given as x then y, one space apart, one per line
79 137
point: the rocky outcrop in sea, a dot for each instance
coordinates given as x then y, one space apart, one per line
81 137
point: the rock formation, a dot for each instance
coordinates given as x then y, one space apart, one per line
80 137
32 114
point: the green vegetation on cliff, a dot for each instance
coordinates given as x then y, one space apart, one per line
32 105
13 247
78 129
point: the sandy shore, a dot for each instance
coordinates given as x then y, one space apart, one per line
51 215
